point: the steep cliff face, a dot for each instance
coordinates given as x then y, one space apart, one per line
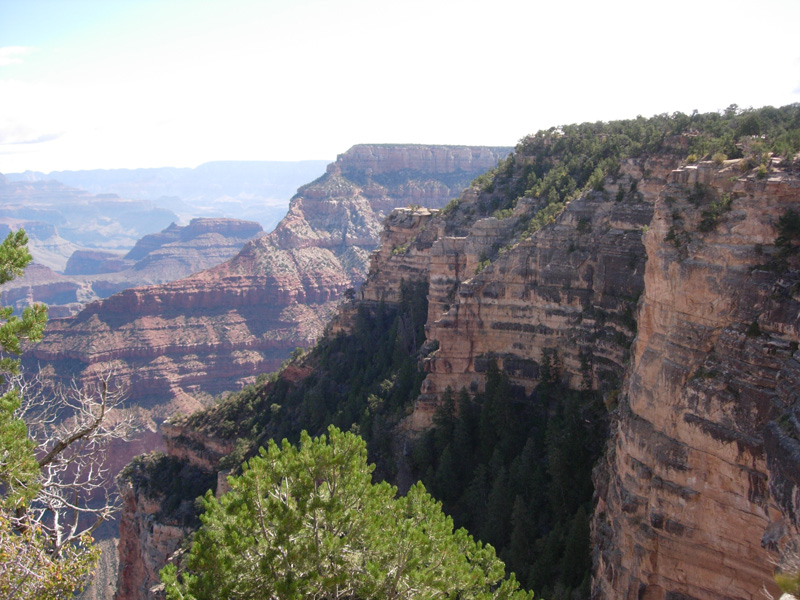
158 511
687 508
92 262
699 493
216 330
177 343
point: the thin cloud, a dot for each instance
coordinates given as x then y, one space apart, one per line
12 55
20 134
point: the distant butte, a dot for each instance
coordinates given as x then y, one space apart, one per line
179 343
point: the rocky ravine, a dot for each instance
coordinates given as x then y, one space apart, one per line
698 492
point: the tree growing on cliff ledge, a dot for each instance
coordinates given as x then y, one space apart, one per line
307 522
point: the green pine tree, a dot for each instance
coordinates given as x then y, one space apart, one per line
306 521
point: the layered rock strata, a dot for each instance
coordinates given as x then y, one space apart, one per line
677 305
699 493
91 275
567 293
181 342
218 329
689 507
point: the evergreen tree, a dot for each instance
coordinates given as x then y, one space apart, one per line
307 522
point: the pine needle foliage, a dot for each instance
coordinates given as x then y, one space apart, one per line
306 521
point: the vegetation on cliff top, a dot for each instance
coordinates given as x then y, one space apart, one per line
555 165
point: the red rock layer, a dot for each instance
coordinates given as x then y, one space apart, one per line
176 344
91 274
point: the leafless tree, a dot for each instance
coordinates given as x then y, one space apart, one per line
73 427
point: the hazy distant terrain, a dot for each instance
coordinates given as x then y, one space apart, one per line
251 190
60 219
90 274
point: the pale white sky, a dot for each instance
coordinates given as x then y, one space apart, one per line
146 83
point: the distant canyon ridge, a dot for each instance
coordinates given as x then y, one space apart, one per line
248 190
177 344
95 233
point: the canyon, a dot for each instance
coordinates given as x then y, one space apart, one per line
62 219
246 190
178 344
90 274
668 287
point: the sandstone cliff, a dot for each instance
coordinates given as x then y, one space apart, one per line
699 494
670 288
158 511
690 505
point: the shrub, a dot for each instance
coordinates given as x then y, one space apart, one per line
753 330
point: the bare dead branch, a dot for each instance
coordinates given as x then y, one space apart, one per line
73 427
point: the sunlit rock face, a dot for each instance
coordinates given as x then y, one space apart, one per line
179 343
693 503
698 493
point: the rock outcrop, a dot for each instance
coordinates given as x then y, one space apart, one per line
698 494
95 262
156 516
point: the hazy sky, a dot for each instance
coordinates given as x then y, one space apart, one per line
144 83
